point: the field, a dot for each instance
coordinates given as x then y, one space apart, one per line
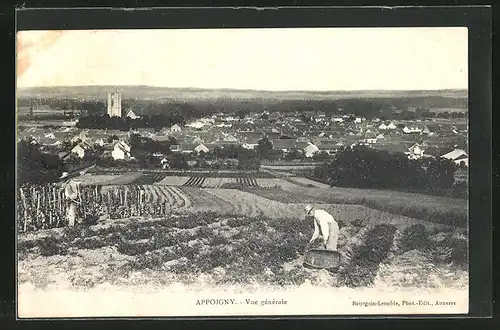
152 231
237 250
158 194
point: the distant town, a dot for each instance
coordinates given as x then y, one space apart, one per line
130 137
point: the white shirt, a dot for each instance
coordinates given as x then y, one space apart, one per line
324 219
71 190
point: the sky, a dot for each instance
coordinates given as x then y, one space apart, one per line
309 59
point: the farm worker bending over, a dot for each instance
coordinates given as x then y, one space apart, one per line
71 194
329 227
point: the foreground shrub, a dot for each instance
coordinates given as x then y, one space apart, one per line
415 237
195 219
363 265
49 246
451 248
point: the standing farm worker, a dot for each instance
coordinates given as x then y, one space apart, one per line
71 192
326 224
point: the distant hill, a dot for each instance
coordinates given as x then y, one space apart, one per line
187 94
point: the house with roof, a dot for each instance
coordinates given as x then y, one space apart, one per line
201 148
251 143
223 124
458 156
462 160
369 138
165 131
316 141
82 136
412 129
380 136
158 154
121 150
435 151
175 129
183 147
145 131
196 124
249 146
63 155
416 151
426 130
198 140
284 145
80 149
347 141
330 147
392 125
310 150
251 135
100 142
382 126
131 114
222 143
175 148
188 148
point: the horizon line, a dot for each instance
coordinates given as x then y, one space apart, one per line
255 90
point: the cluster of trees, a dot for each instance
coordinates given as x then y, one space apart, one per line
363 167
246 159
33 166
66 104
143 148
426 113
43 166
142 143
47 116
157 122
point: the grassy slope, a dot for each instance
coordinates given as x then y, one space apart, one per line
450 211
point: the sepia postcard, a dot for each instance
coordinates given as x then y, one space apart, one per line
242 172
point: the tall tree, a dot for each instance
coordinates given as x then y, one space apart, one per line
264 147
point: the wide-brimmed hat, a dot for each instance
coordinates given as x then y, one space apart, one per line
308 208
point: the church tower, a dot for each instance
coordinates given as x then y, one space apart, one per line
114 104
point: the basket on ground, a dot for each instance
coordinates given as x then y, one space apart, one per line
322 259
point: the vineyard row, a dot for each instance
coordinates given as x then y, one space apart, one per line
43 207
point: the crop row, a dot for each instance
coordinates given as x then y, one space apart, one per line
239 182
216 174
195 181
247 182
149 178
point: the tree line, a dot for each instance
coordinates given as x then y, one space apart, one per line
364 107
157 122
363 167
